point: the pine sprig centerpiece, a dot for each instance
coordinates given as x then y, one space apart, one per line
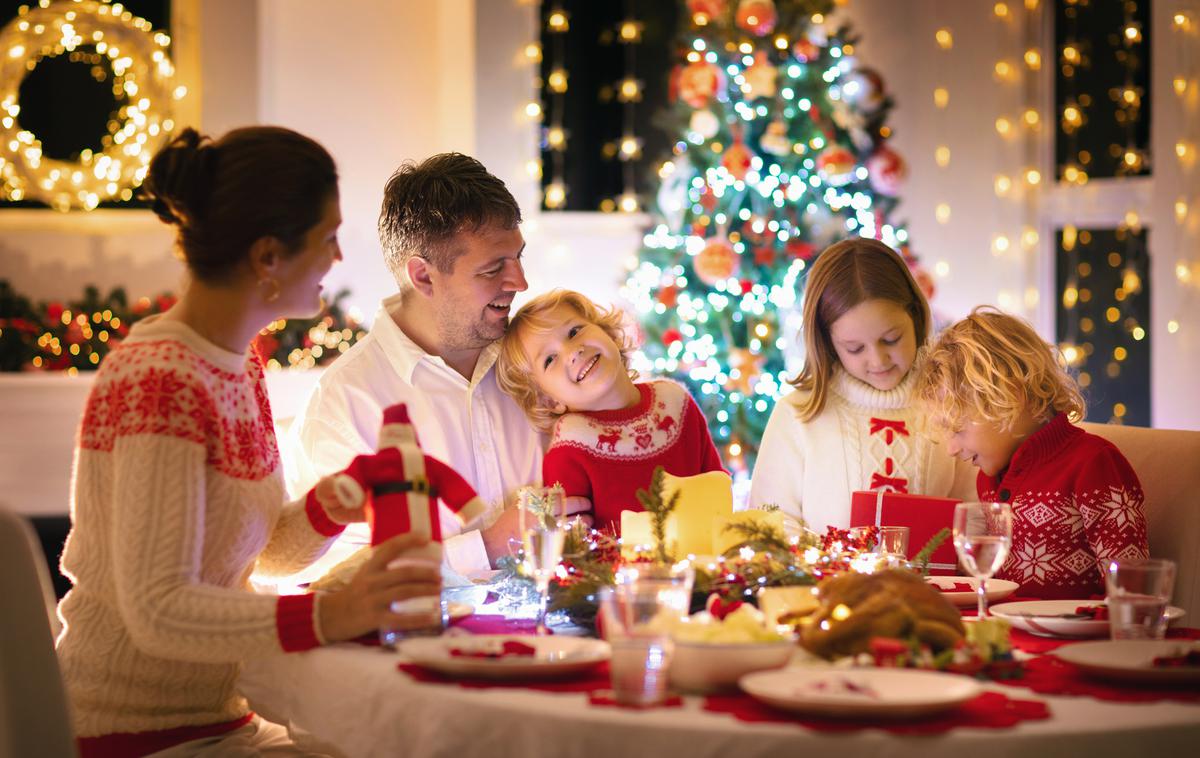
659 509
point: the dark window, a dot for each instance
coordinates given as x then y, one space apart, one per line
1102 88
1103 318
591 113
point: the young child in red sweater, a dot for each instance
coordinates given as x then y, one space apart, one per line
565 361
1008 405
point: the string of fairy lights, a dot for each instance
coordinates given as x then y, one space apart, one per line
554 136
1185 86
1018 126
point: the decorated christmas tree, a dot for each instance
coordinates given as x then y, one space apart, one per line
782 150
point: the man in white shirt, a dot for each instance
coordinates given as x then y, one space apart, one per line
450 237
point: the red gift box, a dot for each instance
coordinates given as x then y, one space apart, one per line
924 516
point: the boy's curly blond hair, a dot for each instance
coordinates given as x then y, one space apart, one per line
992 367
514 367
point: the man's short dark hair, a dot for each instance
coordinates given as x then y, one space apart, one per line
425 205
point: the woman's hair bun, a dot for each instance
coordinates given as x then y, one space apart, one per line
180 177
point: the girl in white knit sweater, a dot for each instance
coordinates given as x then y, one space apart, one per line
852 423
177 493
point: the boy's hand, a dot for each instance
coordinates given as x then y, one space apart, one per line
500 537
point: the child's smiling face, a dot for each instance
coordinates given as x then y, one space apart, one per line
987 446
875 342
577 364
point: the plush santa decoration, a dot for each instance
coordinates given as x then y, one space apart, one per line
400 487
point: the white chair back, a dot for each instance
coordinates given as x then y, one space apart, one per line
1167 461
34 719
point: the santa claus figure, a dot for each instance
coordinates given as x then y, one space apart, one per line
399 487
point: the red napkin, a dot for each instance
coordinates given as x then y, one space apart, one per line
1049 675
593 680
508 648
990 710
955 587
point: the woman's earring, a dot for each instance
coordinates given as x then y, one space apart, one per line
272 289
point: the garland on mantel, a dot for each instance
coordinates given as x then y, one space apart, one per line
76 336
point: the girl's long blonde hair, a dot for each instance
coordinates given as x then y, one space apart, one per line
846 274
514 367
992 367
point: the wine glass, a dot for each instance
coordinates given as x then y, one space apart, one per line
542 539
982 538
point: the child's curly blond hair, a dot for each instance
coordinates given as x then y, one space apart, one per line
514 367
992 367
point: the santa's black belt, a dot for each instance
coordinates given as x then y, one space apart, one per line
420 486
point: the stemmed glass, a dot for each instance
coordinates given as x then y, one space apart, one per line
982 538
542 540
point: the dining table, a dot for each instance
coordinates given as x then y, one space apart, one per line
360 699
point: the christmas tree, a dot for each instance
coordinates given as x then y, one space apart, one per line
782 150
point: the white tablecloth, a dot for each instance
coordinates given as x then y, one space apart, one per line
354 698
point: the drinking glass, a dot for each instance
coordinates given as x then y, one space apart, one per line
542 539
891 543
426 614
635 615
1138 592
982 538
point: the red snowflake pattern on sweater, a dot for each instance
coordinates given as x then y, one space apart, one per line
162 387
1075 500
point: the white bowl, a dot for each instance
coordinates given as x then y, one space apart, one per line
713 666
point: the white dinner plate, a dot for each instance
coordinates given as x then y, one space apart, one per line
1043 617
853 692
1130 660
555 656
997 589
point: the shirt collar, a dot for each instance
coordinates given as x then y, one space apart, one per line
405 355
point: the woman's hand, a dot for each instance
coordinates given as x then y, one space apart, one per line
365 604
338 505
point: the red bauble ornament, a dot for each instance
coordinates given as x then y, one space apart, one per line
671 335
836 165
669 295
756 16
798 248
699 82
737 160
716 262
805 51
709 8
764 255
886 170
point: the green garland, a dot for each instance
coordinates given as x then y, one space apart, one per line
77 335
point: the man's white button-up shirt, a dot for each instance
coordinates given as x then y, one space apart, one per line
471 425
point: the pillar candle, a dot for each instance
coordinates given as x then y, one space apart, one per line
702 500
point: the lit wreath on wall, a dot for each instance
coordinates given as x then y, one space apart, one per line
143 84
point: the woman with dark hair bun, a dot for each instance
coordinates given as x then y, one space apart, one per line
177 492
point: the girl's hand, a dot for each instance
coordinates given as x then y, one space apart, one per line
365 604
